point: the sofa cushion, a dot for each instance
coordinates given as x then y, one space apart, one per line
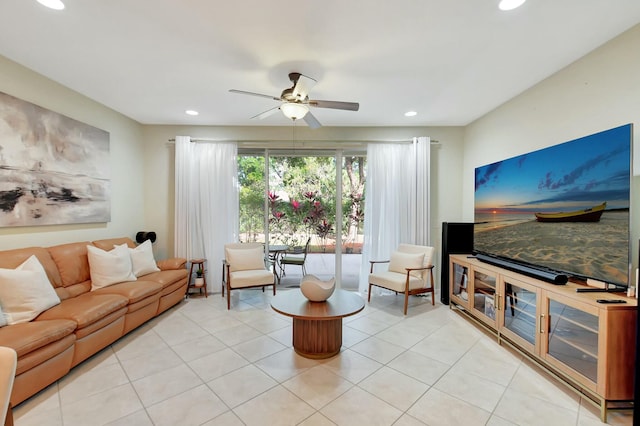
12 258
86 308
109 243
25 291
166 278
109 267
134 291
29 336
72 262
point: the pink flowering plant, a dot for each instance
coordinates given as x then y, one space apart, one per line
293 222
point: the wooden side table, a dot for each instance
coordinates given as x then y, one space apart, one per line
200 264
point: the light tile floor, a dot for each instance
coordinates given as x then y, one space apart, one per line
199 364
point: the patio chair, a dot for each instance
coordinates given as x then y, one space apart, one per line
244 266
297 256
410 272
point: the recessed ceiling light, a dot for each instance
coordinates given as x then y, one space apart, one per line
410 114
52 4
510 4
191 112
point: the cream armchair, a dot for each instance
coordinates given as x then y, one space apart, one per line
8 362
244 267
410 272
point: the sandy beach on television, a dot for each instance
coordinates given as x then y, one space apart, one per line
586 246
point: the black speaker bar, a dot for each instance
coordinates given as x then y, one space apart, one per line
545 275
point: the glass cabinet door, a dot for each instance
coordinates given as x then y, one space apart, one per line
459 281
573 338
520 312
484 295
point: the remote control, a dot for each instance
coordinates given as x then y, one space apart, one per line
611 301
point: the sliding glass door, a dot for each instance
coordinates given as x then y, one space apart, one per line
305 198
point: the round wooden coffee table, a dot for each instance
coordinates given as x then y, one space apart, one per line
317 326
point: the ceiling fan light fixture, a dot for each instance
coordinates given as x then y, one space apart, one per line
510 4
293 110
52 4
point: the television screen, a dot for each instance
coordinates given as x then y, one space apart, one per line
565 207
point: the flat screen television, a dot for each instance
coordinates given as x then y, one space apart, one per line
563 208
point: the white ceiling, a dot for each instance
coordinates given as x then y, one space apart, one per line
451 61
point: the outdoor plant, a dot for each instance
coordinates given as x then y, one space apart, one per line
323 229
294 222
300 196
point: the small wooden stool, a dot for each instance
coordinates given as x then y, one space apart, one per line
200 263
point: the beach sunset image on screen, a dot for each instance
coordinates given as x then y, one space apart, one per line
565 207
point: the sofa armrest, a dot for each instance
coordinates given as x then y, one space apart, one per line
172 263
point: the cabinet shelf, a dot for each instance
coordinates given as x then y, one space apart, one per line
524 312
575 346
578 324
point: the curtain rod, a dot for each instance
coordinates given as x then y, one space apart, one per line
433 141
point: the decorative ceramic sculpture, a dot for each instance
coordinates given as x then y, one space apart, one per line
316 290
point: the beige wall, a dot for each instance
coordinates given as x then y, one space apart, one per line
598 92
126 148
446 160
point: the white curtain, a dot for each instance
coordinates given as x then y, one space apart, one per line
206 202
397 206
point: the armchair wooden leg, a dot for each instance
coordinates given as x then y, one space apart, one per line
228 297
369 298
223 280
433 290
406 301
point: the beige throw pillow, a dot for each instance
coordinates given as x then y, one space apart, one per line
400 261
25 292
245 259
109 267
142 259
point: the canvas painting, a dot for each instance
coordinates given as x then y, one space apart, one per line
53 169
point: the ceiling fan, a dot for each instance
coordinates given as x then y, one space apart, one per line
295 101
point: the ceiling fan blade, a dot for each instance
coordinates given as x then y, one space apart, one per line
311 121
349 106
243 92
302 87
266 113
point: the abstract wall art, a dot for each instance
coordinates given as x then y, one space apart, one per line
53 169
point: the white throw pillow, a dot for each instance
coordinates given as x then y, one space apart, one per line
109 267
400 261
245 259
3 319
25 292
142 259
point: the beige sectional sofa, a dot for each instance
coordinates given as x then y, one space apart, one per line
85 321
